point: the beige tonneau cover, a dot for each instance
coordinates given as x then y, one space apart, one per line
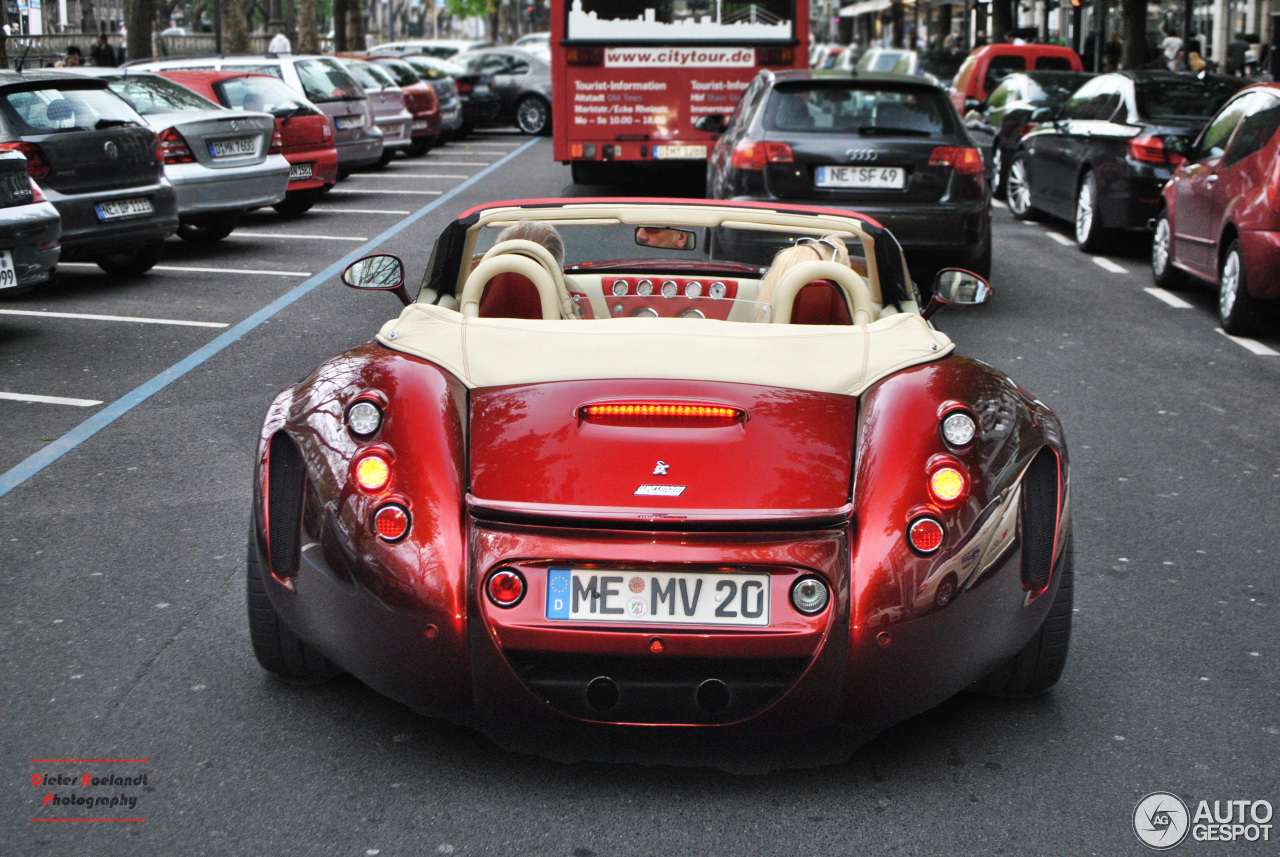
491 352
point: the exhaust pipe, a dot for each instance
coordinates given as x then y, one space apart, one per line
602 694
713 696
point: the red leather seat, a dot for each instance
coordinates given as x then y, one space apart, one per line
820 302
510 295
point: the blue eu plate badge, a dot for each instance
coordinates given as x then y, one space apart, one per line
558 593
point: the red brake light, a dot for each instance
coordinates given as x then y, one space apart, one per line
173 148
778 153
966 162
463 87
37 195
747 156
391 522
1151 150
277 143
925 535
657 414
506 588
1026 129
37 166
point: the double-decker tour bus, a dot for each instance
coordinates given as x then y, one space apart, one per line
630 77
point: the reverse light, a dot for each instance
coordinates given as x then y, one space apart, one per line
809 595
373 472
959 428
925 535
657 414
505 588
965 161
277 143
364 419
778 153
37 166
947 484
1151 150
174 148
391 522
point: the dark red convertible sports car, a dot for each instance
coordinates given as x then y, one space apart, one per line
617 489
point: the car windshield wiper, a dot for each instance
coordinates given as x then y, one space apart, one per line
878 130
112 123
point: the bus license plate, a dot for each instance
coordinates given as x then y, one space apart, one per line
233 148
657 597
680 152
871 178
299 171
119 208
8 276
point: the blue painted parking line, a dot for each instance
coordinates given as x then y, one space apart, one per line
33 464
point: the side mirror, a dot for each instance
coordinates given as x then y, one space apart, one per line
380 272
957 287
712 123
666 237
1043 114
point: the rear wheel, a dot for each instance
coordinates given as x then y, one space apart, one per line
999 171
134 263
387 155
1090 236
1237 309
421 146
277 648
1165 275
298 202
1018 191
533 115
208 228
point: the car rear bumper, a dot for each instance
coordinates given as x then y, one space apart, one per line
426 124
26 232
359 153
84 234
324 168
397 130
1261 251
202 190
476 111
450 118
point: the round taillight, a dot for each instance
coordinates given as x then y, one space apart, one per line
947 484
809 595
373 472
959 429
506 588
391 523
364 419
925 535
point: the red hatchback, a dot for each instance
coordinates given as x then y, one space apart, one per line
1222 209
305 130
419 99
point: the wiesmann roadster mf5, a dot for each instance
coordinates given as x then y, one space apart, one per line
628 491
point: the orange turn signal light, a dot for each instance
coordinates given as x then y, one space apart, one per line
373 472
947 484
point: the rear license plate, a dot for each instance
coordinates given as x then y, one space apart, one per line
872 178
346 123
233 148
419 124
481 90
119 208
8 276
392 130
681 152
299 171
650 597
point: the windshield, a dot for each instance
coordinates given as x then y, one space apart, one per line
680 21
1053 88
326 80
400 72
1187 100
148 95
862 111
47 111
436 68
369 75
262 94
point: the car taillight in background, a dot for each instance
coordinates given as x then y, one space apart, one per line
754 156
1151 150
37 195
966 162
37 166
326 130
463 87
173 148
277 143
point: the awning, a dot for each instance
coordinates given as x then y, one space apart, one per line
865 7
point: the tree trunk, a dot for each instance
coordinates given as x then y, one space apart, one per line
1135 33
1001 20
895 24
236 32
355 32
308 28
340 25
141 17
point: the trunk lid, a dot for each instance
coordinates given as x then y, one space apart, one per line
219 139
534 453
99 160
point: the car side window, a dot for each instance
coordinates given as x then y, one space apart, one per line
1261 121
1213 140
1000 68
1078 105
517 66
746 104
1053 64
1104 105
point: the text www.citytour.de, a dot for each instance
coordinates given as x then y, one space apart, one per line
680 57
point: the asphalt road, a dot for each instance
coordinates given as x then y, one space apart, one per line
122 621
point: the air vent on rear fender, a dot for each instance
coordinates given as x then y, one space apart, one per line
1039 520
285 482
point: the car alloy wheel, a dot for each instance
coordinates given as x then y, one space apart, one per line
532 114
1018 191
1163 272
1235 304
1088 233
997 172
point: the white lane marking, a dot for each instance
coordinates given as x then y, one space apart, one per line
455 164
375 190
197 270
1107 265
1250 344
998 204
1168 297
49 400
361 211
90 317
412 176
1061 239
296 236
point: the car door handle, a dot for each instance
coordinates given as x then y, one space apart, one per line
1212 179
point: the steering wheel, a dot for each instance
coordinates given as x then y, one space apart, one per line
534 250
855 289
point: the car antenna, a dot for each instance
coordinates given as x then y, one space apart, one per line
22 59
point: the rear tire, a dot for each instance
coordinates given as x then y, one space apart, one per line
1038 665
298 202
1090 236
1163 272
387 155
277 648
421 146
999 170
1018 191
208 228
134 263
1237 309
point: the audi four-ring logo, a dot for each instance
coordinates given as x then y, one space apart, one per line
861 154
